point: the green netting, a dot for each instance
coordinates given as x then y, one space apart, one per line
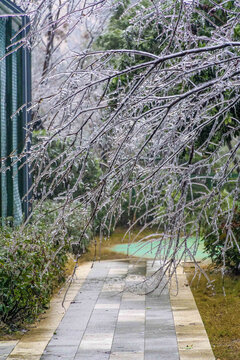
17 207
10 128
3 119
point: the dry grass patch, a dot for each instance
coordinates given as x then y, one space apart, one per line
220 314
102 250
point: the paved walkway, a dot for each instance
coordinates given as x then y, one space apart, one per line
111 318
104 322
6 348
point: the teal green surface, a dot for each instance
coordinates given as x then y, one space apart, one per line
149 249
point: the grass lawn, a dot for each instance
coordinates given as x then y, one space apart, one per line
220 314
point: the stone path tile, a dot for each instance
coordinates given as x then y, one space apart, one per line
6 347
127 356
117 314
106 323
74 323
129 333
160 335
193 342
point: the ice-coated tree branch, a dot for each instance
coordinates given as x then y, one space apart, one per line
161 124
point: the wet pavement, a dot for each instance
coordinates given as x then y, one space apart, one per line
109 319
6 348
114 313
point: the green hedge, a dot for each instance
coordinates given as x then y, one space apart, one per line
32 260
31 265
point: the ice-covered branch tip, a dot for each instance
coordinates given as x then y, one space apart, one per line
136 117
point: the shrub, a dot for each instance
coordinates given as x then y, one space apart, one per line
71 225
223 245
32 260
31 265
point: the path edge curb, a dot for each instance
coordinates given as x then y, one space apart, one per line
32 345
192 338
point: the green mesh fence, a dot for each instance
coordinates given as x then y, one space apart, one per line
3 119
17 206
10 131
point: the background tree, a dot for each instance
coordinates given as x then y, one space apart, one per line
166 110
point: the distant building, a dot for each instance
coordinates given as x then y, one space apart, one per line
15 94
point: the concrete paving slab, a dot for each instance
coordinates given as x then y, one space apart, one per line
193 342
93 355
127 356
103 322
96 342
34 342
98 336
129 333
160 335
78 315
6 347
